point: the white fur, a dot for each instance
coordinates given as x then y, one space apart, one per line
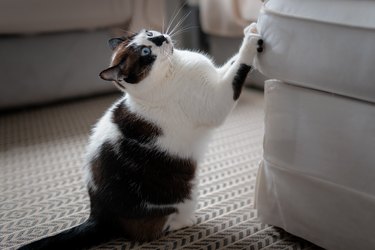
185 216
185 95
104 131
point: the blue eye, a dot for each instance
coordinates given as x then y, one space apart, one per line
145 51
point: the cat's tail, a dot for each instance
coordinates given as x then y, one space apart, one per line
83 236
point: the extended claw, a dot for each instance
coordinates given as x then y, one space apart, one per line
260 45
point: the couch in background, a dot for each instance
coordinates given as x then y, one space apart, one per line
51 50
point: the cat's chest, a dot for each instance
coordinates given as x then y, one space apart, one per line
193 66
182 137
178 135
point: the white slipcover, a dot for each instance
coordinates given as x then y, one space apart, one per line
322 44
317 177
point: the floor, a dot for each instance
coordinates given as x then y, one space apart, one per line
42 191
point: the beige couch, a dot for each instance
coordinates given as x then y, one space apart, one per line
51 50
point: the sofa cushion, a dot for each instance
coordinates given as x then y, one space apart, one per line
320 44
52 67
36 16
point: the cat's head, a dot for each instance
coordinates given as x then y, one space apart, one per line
135 57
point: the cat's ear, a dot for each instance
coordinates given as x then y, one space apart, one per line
110 74
114 42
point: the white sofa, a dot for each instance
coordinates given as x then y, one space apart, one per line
317 179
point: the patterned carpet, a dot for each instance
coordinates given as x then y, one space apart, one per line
42 192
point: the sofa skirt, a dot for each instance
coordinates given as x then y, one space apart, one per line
317 177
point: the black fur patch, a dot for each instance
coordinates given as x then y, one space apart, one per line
129 65
239 80
134 171
135 67
134 127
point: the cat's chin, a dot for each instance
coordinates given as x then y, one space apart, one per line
119 86
166 51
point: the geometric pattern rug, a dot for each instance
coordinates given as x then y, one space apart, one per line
42 191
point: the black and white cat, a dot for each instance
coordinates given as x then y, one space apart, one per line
143 153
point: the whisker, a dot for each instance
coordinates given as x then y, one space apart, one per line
169 59
180 22
174 16
162 28
183 30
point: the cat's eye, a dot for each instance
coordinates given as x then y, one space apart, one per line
145 51
148 33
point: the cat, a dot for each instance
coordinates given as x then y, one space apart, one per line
143 153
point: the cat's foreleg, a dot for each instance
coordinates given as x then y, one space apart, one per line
232 75
223 69
235 71
184 218
185 213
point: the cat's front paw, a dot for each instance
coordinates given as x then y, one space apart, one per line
252 37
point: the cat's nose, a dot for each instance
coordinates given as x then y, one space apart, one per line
158 40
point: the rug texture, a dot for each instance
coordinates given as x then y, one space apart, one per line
42 191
